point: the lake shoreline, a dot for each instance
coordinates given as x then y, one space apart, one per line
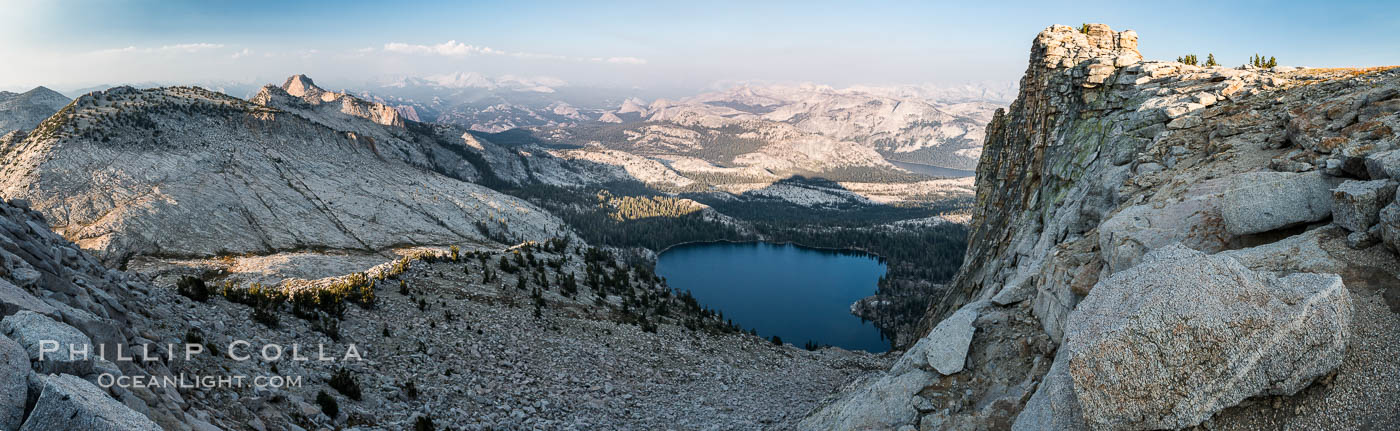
882 259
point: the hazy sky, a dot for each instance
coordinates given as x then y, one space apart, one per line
656 44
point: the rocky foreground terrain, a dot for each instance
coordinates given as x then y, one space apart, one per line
1164 246
458 343
50 290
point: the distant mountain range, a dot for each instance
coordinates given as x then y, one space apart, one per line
927 125
906 128
496 104
154 157
927 128
22 111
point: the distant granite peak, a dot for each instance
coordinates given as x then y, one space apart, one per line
23 111
301 86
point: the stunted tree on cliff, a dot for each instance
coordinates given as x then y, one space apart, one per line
1259 61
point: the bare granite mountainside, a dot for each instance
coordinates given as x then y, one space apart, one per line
23 111
185 172
449 345
496 337
1164 246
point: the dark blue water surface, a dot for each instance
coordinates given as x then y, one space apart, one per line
931 170
799 294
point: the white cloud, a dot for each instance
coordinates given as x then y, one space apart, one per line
450 48
191 47
537 55
177 48
244 53
622 60
115 50
453 48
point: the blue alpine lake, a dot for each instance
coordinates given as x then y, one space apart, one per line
799 294
931 170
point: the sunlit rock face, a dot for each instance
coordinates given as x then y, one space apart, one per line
1134 216
1183 335
185 172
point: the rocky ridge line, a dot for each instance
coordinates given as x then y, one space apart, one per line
1108 169
273 176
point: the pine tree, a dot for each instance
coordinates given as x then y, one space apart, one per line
539 303
570 287
1210 60
1258 60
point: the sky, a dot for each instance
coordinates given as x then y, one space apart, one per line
70 44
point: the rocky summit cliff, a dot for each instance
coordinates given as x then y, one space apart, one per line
186 172
302 87
1163 246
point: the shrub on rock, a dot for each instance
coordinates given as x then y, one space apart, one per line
424 423
328 404
344 382
192 288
